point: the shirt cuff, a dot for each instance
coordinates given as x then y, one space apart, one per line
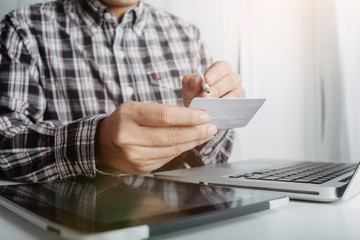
107 171
218 149
75 147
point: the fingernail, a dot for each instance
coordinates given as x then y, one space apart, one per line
211 78
212 130
204 117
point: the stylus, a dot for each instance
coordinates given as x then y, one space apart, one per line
204 85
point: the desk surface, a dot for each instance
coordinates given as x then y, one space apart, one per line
298 220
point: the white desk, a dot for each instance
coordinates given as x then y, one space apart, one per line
299 220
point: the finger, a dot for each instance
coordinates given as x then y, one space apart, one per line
139 153
169 136
153 114
133 164
225 85
217 71
154 164
145 167
191 87
237 93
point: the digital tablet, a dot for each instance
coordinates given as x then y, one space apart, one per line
131 207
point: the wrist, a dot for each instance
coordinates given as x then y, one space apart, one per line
98 152
105 153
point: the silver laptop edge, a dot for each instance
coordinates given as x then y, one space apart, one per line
218 175
353 186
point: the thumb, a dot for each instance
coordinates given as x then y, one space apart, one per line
191 87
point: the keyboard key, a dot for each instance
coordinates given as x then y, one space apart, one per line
302 180
248 174
316 182
285 180
256 176
310 178
236 176
281 174
270 178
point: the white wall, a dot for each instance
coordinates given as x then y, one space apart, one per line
277 59
348 36
9 5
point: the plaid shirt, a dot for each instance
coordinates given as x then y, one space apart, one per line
65 65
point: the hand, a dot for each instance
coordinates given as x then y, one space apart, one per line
223 82
138 138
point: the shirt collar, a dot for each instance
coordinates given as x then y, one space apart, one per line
92 12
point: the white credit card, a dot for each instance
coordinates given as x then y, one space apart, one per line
228 112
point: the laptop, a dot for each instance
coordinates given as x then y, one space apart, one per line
304 180
131 207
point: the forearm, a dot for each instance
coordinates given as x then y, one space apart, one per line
47 150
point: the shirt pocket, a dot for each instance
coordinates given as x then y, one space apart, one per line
167 85
169 79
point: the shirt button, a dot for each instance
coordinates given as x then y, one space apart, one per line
94 29
108 16
121 54
138 32
207 151
129 91
77 169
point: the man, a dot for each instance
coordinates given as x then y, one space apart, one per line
89 86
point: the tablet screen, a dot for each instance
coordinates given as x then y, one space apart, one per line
108 203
